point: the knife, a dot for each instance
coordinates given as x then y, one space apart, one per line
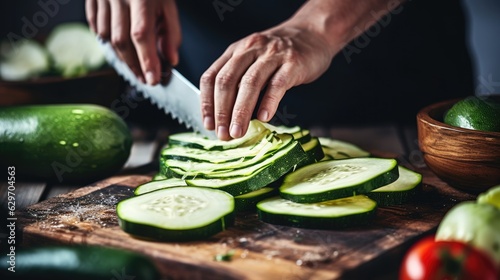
177 97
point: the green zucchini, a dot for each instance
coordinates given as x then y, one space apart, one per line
313 150
247 202
298 133
70 142
23 60
245 180
176 214
338 149
76 262
399 191
74 49
256 131
331 214
159 184
333 179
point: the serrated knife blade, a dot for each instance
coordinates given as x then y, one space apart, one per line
178 97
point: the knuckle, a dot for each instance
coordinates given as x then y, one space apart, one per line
139 32
250 80
255 39
207 108
119 42
103 33
278 81
225 80
222 117
241 113
208 77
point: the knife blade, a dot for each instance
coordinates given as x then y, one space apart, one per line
178 97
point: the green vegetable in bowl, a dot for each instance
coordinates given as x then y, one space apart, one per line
473 112
474 223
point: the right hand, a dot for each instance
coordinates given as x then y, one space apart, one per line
139 30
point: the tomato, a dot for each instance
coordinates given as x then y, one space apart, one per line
432 260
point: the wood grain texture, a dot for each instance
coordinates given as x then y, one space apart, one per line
466 159
261 250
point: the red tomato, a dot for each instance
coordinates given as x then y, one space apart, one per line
439 260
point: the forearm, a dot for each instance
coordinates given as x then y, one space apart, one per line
338 22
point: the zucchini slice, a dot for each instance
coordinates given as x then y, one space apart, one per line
399 191
23 60
333 179
74 49
256 131
257 176
331 214
338 149
159 184
176 214
313 150
299 134
247 202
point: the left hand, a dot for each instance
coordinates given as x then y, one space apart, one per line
276 59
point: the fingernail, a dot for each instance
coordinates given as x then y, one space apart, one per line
208 122
150 78
263 115
221 132
235 131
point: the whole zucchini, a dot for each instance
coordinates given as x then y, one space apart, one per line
66 142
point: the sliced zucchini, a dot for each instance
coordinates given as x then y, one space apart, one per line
256 131
247 202
158 177
313 150
74 49
240 168
255 177
331 214
299 134
333 179
159 184
228 159
266 144
399 191
338 149
176 214
22 60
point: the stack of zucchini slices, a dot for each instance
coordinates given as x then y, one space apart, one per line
290 177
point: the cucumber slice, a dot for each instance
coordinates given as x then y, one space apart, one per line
177 214
228 159
399 191
74 49
257 176
338 149
266 144
256 131
313 150
23 60
159 177
331 214
333 179
275 159
159 184
247 202
299 134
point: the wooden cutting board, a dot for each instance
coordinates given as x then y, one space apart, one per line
261 250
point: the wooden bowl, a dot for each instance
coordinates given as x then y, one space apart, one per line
466 159
98 87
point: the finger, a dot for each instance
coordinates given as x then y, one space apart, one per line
280 82
120 37
143 19
207 86
251 85
103 20
171 37
91 14
226 87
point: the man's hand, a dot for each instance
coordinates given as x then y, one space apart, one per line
138 31
298 51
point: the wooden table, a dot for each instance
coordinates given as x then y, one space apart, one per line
387 139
